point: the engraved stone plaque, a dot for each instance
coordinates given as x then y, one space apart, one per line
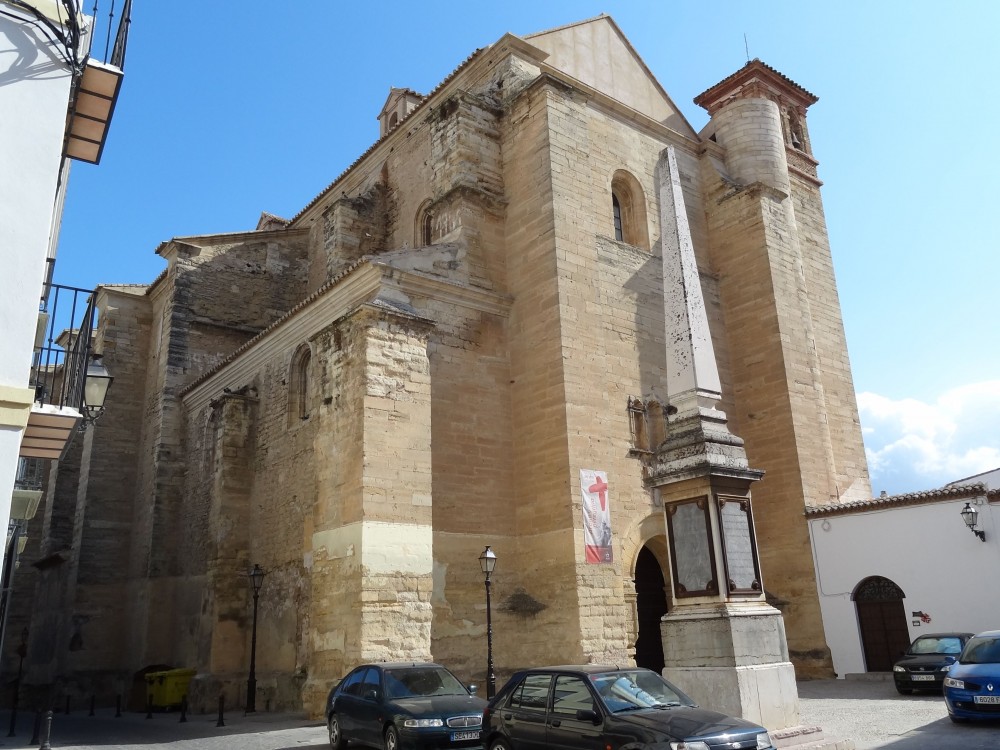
742 571
691 548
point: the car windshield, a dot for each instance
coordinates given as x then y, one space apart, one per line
984 650
930 644
628 690
421 681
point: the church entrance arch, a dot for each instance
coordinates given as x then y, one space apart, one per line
882 622
650 604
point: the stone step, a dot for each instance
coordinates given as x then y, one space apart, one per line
869 676
807 738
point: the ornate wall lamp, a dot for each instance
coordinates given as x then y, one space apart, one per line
95 390
971 517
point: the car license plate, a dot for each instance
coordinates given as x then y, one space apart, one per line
922 677
459 736
986 698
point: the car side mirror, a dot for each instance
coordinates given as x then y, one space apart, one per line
372 694
473 689
586 714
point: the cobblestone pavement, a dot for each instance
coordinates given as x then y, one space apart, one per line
869 712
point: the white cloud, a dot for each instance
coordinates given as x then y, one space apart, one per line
912 445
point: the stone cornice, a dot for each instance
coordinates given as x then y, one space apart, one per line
557 79
366 283
170 246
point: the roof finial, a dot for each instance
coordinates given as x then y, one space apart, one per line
746 46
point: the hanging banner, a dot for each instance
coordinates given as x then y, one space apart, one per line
596 516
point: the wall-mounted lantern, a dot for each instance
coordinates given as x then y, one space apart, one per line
971 516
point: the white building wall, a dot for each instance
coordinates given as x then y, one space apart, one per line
942 568
34 95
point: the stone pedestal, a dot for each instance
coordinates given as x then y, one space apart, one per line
732 657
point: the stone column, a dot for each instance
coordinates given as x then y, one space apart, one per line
721 641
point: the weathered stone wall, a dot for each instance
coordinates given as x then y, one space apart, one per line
850 468
442 398
102 533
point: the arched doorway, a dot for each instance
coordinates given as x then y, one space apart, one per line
650 605
882 622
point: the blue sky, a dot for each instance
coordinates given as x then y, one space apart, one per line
233 108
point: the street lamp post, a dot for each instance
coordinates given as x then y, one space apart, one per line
488 561
256 576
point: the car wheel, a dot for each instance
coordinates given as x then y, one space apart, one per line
500 744
333 726
904 691
391 738
957 719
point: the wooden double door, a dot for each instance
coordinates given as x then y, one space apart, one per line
882 622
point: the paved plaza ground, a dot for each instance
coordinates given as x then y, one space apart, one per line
869 712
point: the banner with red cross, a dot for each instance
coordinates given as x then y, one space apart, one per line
596 516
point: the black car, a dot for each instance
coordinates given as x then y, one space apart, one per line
926 662
396 706
606 708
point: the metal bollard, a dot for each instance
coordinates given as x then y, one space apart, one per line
36 729
118 706
67 705
91 706
222 708
149 706
48 732
184 710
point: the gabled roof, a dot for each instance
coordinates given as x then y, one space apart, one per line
268 221
394 94
597 53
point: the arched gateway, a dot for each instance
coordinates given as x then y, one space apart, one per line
882 622
651 605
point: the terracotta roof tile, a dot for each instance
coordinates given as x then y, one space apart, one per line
912 498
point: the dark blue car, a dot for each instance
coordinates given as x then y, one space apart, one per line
972 687
404 707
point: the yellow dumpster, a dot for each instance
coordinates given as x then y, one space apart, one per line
167 689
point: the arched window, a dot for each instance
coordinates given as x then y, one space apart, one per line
298 385
424 226
393 120
628 210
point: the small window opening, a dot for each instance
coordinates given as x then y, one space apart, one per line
637 424
616 208
426 228
298 390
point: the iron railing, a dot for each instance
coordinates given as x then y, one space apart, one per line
30 473
121 38
62 353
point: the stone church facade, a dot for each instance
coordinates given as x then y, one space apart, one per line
421 362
